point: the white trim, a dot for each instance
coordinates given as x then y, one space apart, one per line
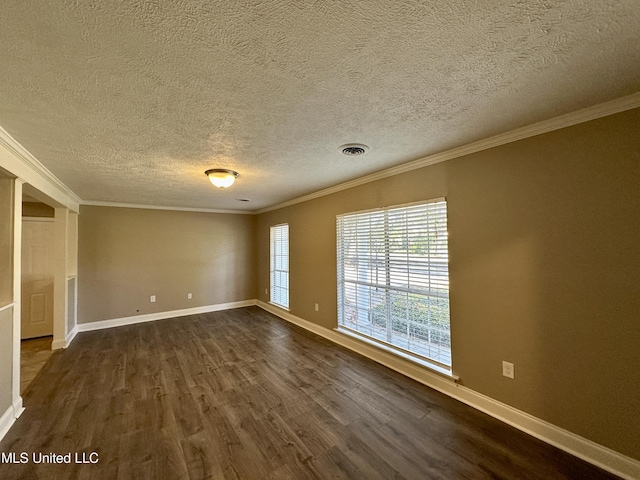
60 256
603 457
282 307
7 307
38 219
17 407
441 369
580 116
74 331
16 399
151 317
72 334
22 164
7 419
10 415
92 203
25 165
59 344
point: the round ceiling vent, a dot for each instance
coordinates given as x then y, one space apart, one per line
353 149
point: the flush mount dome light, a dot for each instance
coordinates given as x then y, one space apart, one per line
353 149
221 178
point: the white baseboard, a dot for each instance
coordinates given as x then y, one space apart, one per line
10 416
58 344
151 317
71 335
603 457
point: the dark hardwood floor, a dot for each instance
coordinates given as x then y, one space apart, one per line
242 394
34 354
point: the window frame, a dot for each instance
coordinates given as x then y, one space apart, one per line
350 284
279 286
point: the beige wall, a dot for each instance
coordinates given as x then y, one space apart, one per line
6 358
37 209
544 270
72 245
6 240
126 255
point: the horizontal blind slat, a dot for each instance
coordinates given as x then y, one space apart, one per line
393 277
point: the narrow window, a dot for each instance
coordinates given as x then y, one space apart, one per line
279 266
393 280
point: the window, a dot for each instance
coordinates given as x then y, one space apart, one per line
279 265
393 279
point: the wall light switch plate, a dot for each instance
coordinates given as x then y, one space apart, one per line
189 296
152 299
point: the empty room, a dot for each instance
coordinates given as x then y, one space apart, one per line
320 240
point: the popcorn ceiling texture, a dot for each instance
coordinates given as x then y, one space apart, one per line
131 101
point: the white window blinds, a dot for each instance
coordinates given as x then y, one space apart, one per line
393 278
279 265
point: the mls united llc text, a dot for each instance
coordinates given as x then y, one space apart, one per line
39 457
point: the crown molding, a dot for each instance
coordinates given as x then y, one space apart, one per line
580 116
92 203
66 196
31 164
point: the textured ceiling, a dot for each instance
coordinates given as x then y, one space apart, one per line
131 101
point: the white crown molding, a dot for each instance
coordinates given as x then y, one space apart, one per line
580 116
92 203
30 165
576 445
152 317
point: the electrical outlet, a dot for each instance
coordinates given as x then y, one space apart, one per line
317 308
152 298
508 370
189 296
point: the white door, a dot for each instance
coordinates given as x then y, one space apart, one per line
37 278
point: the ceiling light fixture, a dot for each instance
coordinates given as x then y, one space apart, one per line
221 178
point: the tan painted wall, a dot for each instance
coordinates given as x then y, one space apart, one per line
544 269
37 209
6 358
126 255
72 244
6 240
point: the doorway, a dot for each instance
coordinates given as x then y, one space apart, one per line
37 278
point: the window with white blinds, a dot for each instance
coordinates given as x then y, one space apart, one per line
279 265
393 278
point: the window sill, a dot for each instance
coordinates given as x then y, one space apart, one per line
286 309
441 370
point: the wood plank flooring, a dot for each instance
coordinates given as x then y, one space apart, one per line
34 354
242 394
